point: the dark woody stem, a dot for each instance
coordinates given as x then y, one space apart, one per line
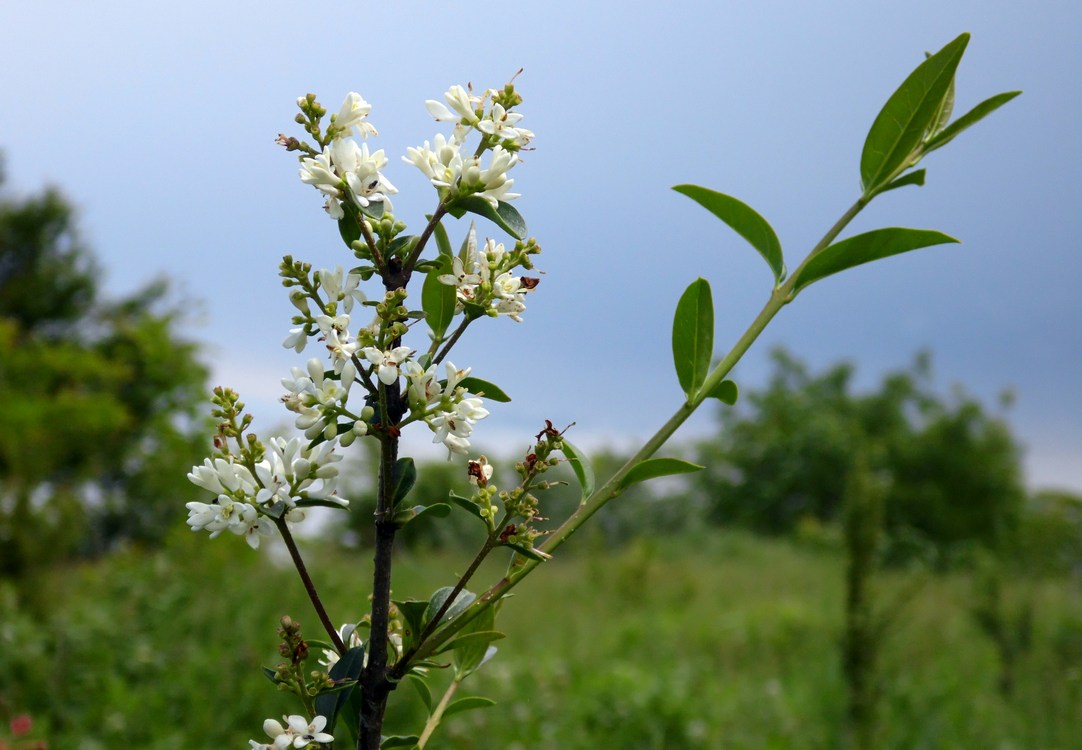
309 586
426 234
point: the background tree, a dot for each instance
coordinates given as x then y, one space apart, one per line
783 453
99 396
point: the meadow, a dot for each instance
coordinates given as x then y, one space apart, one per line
703 640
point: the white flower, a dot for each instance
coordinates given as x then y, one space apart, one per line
424 389
387 362
221 477
318 172
340 287
351 117
501 124
350 638
441 164
464 281
305 733
291 468
254 526
361 171
463 106
296 340
221 515
454 377
453 428
491 182
480 471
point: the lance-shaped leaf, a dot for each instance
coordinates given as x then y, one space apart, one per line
970 118
580 464
657 467
916 177
413 614
422 690
484 389
469 655
462 600
864 248
400 740
467 704
374 210
438 299
693 336
331 705
469 505
406 515
909 114
443 242
349 225
504 215
405 475
744 221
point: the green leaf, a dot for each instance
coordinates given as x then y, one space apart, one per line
693 336
864 248
374 210
270 674
485 389
467 704
422 690
348 667
468 655
744 221
463 600
945 109
400 740
402 245
970 118
407 515
725 391
504 215
438 299
657 467
413 614
467 504
443 242
314 502
471 640
405 475
908 115
580 464
349 228
916 177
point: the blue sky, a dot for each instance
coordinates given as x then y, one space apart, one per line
159 120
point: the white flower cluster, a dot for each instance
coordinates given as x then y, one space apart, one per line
346 170
291 471
296 732
445 407
485 278
442 160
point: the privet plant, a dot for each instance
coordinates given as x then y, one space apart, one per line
384 331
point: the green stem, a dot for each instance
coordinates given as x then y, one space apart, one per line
779 297
437 715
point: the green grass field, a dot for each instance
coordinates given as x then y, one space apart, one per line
717 641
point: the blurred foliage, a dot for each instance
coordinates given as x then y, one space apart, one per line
99 397
783 453
694 641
